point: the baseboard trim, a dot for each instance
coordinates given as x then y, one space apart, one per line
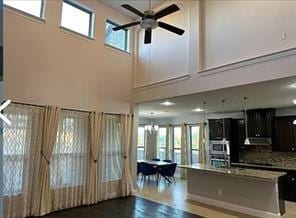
235 207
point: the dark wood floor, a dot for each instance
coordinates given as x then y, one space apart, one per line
122 208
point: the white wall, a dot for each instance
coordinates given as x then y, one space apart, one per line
45 65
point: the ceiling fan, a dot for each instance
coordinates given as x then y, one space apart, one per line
149 20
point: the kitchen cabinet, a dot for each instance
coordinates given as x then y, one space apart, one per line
285 134
288 186
241 133
216 129
260 123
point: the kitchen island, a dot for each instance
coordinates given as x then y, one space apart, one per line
249 191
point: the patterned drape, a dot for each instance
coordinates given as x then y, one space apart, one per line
69 160
21 158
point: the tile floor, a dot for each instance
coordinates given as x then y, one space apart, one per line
175 195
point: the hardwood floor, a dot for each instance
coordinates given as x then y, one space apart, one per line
123 208
175 196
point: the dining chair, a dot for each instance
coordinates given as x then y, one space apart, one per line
155 159
168 161
168 172
147 170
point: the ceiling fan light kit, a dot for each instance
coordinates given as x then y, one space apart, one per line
149 21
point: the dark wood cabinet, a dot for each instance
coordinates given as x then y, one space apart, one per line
288 186
241 133
284 134
260 123
216 129
216 133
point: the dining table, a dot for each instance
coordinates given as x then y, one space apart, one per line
157 164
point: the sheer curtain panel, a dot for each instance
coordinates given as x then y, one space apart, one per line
21 157
111 158
69 159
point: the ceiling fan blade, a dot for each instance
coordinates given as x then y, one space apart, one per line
171 28
166 11
126 25
132 9
148 35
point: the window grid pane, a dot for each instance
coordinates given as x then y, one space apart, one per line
117 39
161 143
28 6
76 19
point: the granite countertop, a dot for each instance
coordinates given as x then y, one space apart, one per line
276 167
236 171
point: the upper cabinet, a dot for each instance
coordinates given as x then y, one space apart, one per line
285 134
260 123
216 129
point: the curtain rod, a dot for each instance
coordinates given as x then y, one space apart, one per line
70 109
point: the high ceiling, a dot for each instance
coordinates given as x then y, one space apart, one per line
141 5
273 94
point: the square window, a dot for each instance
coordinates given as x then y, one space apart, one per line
77 18
117 39
34 8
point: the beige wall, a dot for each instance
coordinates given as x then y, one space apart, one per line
219 33
238 30
46 65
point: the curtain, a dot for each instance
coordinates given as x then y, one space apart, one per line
95 134
202 145
68 161
110 159
21 156
150 144
56 159
168 148
126 180
184 149
50 127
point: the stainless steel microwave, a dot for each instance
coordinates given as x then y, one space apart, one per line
219 147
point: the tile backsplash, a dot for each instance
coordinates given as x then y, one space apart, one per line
265 155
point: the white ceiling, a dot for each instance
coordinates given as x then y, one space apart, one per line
274 94
141 5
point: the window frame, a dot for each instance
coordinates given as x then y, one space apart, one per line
191 149
26 14
85 9
144 147
127 37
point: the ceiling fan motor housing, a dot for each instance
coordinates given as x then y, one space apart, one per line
148 21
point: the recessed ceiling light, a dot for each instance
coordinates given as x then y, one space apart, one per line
198 110
294 101
167 103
